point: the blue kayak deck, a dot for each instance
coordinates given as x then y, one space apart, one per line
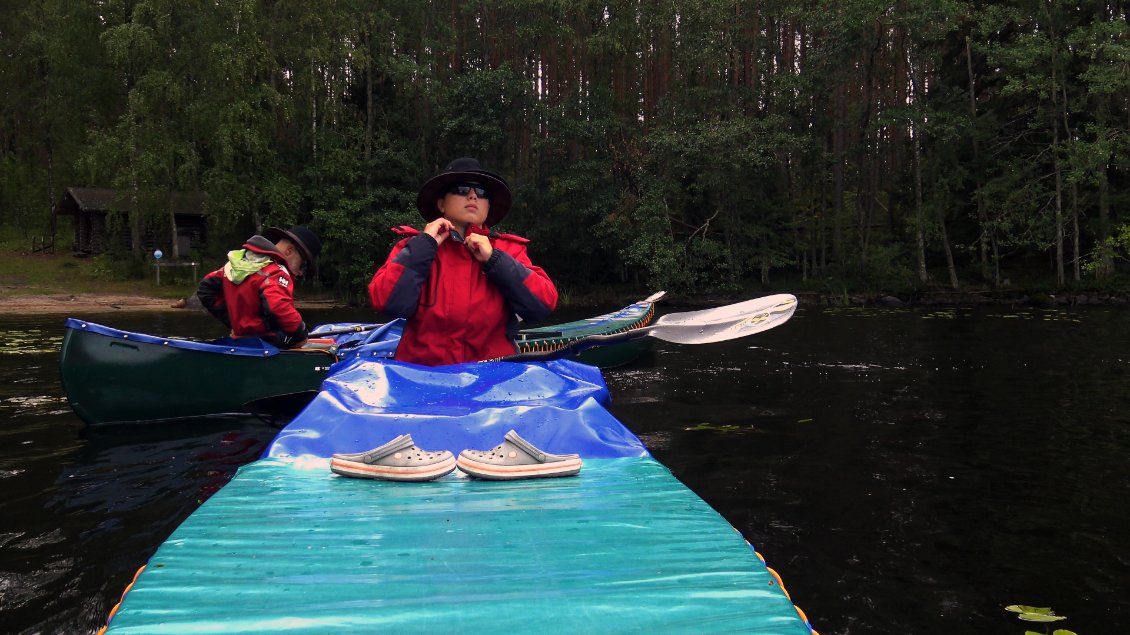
287 546
624 547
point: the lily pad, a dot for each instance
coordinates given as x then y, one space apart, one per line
1034 613
712 427
1040 617
1021 608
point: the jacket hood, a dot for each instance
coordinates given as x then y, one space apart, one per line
257 252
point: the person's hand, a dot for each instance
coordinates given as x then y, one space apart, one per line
440 229
479 246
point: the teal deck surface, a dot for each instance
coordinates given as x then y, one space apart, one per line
289 547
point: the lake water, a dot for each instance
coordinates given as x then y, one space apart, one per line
904 470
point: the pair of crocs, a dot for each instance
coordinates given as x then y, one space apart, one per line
400 460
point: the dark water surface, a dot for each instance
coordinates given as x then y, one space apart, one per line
905 471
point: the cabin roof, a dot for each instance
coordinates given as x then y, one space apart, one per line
94 199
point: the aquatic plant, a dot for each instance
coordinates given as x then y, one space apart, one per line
725 427
1038 614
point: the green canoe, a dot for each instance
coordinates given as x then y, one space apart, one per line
115 376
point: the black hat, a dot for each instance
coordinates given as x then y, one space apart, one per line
459 170
306 241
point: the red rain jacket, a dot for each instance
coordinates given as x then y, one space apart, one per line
260 306
457 309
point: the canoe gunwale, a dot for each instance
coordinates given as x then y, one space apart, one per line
262 349
560 338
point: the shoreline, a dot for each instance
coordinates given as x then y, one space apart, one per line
63 303
86 303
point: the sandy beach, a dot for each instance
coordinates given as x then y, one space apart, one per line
82 303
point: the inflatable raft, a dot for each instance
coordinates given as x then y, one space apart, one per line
287 546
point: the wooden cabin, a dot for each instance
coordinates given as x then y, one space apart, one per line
95 232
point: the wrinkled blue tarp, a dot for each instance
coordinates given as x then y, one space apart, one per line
558 406
380 342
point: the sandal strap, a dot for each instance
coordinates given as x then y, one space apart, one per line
402 442
525 446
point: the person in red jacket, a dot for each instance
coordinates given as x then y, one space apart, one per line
459 284
253 293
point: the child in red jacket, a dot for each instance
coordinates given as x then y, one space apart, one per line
253 293
458 284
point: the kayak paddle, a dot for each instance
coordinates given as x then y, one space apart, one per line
692 327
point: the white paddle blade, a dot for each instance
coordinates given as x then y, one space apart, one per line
726 322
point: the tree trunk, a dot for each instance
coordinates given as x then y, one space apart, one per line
982 223
946 247
135 194
175 248
368 39
1059 271
1075 231
1106 258
919 220
838 159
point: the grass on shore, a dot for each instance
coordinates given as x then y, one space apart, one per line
24 272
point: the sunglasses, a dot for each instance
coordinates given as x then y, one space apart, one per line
463 189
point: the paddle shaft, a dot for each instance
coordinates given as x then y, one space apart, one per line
360 328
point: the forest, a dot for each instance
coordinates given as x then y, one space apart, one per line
692 145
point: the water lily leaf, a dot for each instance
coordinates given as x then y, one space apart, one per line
1040 617
1021 608
713 427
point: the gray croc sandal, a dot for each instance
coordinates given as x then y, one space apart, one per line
517 458
397 460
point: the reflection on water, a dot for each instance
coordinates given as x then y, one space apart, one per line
905 470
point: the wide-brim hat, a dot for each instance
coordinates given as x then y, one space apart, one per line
462 170
307 242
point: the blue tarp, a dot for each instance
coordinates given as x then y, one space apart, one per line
558 406
378 342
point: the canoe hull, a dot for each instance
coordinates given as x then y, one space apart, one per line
114 376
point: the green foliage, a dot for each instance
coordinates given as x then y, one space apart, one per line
478 110
1114 246
695 145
